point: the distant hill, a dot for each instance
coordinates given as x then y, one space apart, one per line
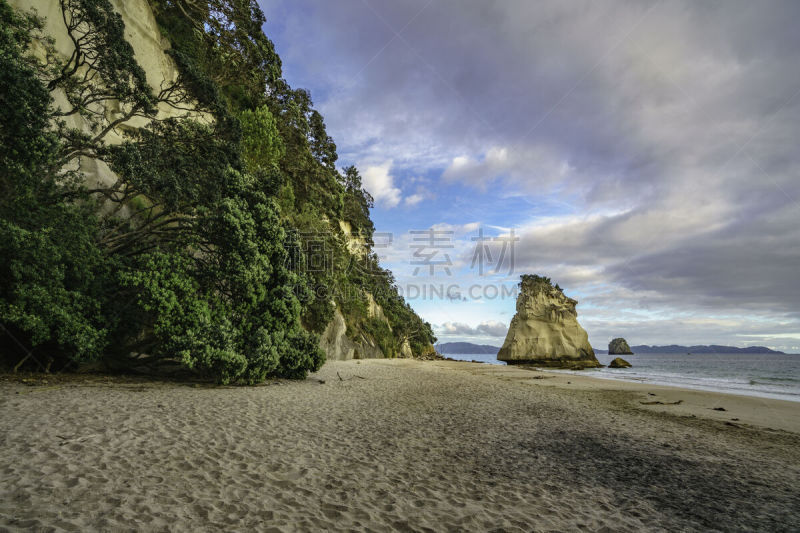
445 348
714 348
468 347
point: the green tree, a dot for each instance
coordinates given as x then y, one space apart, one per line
262 146
224 38
182 259
357 203
196 252
52 274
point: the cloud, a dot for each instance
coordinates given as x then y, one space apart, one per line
493 328
413 199
536 166
380 184
681 257
689 329
644 153
489 328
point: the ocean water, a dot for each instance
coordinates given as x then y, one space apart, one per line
764 375
490 358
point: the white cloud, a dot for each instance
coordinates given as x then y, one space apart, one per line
414 199
537 167
493 328
458 230
380 184
794 336
488 328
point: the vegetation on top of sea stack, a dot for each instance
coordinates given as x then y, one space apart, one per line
194 254
529 282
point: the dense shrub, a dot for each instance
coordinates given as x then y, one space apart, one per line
52 274
197 254
183 259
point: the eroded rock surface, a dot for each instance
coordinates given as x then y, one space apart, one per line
619 346
545 331
619 362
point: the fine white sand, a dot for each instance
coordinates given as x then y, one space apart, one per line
400 444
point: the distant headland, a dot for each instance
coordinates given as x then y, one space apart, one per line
445 348
699 349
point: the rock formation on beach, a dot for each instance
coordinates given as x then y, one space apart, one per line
619 346
545 331
619 362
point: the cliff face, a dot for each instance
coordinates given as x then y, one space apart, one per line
338 346
149 44
341 343
142 33
545 331
619 346
380 325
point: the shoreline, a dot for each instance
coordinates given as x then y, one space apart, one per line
757 411
653 380
396 444
703 388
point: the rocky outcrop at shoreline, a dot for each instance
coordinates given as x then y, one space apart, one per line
619 362
545 331
619 346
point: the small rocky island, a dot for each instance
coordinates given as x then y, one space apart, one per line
619 346
545 330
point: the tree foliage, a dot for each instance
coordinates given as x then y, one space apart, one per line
224 39
530 281
182 258
52 273
196 252
101 67
262 146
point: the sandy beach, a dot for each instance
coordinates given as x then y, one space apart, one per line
377 445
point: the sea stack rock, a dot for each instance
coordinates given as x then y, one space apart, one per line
619 346
545 330
619 362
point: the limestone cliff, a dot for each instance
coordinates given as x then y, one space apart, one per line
619 346
545 331
355 244
338 346
149 45
345 337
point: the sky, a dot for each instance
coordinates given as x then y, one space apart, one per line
643 155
